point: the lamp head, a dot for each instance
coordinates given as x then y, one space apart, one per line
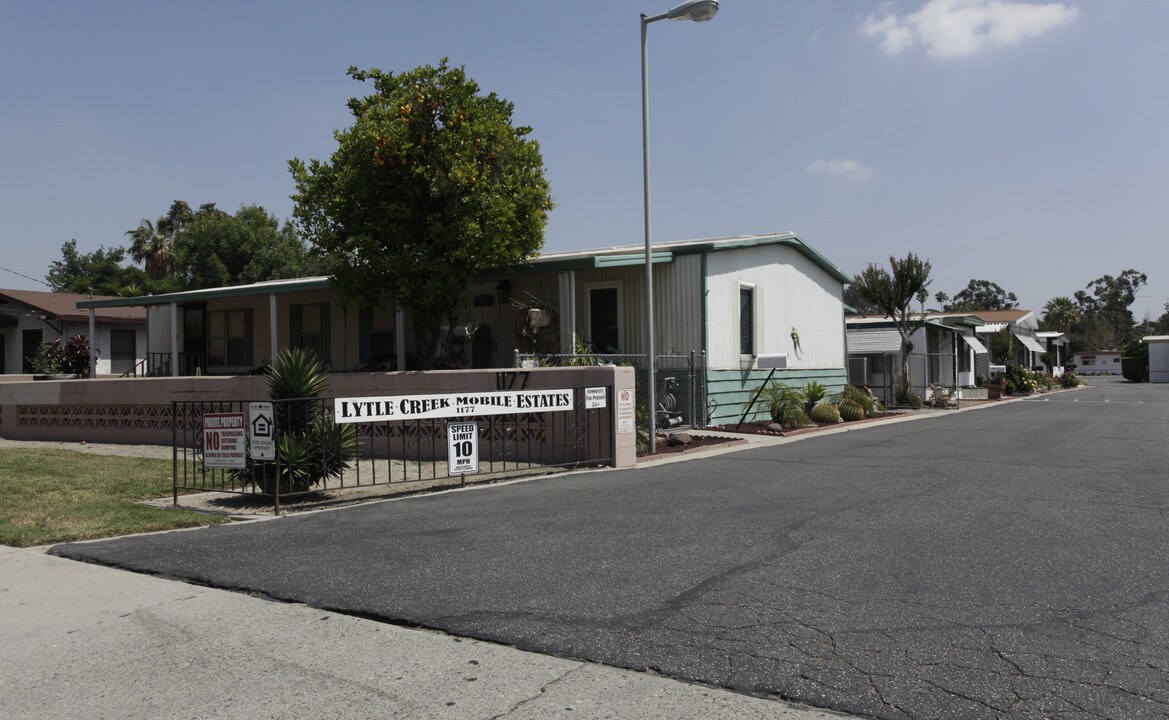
696 10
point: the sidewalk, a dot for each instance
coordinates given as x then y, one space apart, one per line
83 641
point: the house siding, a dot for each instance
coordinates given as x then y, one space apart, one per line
729 391
792 293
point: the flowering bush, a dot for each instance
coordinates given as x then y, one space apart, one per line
1021 380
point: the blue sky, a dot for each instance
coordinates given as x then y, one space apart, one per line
1018 142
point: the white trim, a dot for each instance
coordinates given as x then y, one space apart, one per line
756 327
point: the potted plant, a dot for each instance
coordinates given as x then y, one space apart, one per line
55 361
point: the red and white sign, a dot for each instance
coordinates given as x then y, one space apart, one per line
225 440
625 415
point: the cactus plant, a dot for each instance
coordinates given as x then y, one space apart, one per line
826 413
851 410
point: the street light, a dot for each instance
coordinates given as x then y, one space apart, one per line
696 11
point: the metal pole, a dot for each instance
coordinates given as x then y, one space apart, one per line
649 279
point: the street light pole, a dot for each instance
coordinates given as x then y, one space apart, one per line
696 11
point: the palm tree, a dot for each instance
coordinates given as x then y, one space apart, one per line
1060 313
151 243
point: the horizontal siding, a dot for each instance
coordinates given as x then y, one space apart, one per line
730 390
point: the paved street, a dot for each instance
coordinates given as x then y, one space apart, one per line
1006 561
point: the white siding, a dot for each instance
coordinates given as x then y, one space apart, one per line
791 292
1159 362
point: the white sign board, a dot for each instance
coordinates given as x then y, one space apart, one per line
596 398
224 440
262 426
450 405
625 415
462 448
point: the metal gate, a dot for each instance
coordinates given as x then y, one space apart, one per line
315 454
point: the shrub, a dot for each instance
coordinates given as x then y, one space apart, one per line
1069 379
71 358
786 405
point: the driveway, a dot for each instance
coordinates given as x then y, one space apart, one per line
1008 561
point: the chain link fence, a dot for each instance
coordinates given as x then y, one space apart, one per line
881 372
680 380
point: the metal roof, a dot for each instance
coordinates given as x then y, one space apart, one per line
270 287
550 262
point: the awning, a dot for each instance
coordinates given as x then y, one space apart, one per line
974 343
1030 343
873 341
991 328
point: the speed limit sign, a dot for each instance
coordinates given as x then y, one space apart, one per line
462 448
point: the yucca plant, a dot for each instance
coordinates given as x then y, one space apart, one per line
312 447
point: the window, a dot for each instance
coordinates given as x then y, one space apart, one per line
31 344
747 320
310 329
123 350
604 321
376 340
229 338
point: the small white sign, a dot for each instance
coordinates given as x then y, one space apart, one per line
596 398
262 426
625 415
462 448
224 440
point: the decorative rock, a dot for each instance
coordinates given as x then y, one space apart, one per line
680 438
775 428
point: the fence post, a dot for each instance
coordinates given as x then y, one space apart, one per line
174 451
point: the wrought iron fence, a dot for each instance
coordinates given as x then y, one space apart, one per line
213 448
681 383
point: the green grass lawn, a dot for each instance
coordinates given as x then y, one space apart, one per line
51 496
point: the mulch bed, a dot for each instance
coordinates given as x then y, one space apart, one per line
759 427
747 428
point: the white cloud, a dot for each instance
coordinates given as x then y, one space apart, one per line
814 38
955 28
851 169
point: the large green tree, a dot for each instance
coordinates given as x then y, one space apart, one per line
432 185
1106 321
213 248
981 295
893 292
100 272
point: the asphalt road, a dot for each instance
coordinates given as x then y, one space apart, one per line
1011 561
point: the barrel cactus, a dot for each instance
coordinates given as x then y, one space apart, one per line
826 414
851 410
